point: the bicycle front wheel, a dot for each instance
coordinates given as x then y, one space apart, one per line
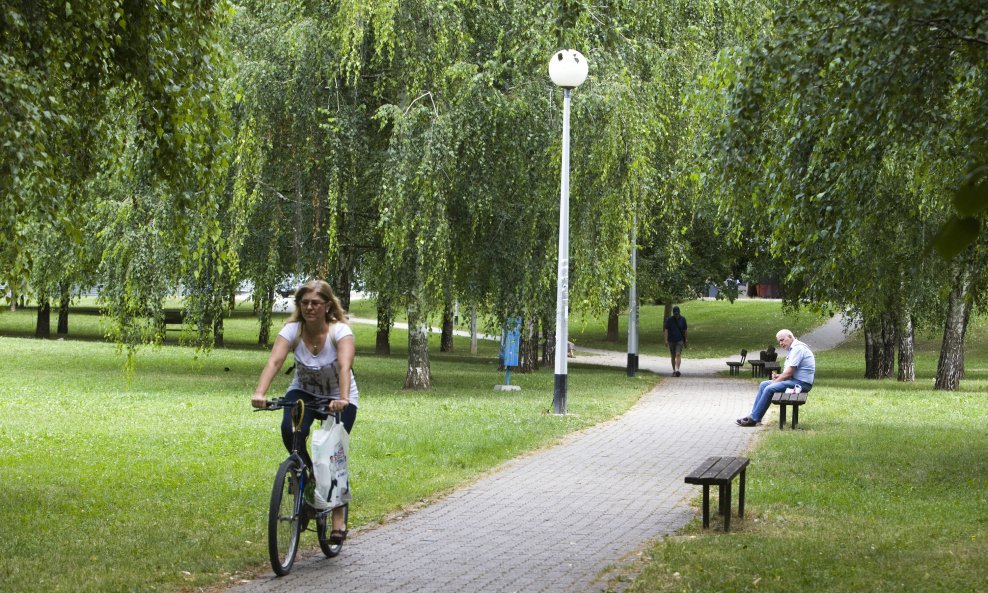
284 517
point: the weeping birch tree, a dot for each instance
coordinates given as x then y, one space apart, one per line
84 83
850 129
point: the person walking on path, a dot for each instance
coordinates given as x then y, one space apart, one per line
797 371
674 335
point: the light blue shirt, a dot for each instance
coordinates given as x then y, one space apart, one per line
800 357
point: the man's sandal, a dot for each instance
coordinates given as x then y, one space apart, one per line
337 536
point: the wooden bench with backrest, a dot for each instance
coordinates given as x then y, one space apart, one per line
766 360
735 366
720 471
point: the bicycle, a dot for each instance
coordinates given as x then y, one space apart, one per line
289 513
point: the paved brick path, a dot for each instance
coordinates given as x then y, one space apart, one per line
552 521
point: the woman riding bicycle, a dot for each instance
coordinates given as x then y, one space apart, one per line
323 346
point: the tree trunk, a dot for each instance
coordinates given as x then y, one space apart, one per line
419 372
887 368
446 338
968 305
343 279
548 344
218 331
950 365
385 318
612 324
43 329
13 295
907 350
63 311
264 305
873 349
528 349
473 330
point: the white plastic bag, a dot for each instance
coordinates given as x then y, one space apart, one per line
330 451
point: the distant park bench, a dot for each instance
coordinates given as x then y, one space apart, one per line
765 364
174 318
171 316
735 366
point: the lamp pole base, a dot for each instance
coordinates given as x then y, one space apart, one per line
559 395
632 364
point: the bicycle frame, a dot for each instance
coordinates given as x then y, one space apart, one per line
298 412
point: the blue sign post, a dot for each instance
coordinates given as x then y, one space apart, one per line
509 348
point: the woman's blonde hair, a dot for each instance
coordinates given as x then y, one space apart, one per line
334 310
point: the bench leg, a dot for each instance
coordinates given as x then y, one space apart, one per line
741 496
727 506
795 416
782 416
706 506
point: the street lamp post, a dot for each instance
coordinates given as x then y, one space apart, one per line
633 303
567 69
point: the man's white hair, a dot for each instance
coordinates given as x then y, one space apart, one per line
784 333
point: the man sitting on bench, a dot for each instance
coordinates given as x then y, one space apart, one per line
798 369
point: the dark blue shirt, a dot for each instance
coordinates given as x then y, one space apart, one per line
676 326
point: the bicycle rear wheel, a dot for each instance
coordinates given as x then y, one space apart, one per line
284 517
323 527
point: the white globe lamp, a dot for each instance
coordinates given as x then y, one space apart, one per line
568 68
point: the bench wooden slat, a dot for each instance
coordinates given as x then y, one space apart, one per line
717 470
790 399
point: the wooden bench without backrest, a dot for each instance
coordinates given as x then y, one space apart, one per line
783 399
719 471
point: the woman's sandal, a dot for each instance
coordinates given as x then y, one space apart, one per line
337 536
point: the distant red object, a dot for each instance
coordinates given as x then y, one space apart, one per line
768 291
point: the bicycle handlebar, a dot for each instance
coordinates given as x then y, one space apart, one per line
320 403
